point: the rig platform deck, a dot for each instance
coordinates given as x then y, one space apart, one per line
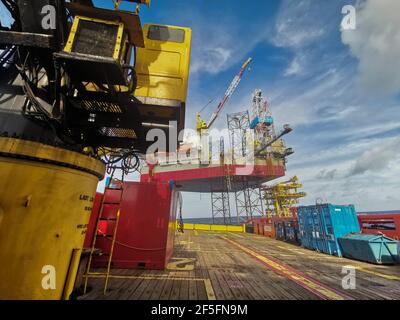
211 265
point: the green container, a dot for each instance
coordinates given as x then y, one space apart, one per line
377 249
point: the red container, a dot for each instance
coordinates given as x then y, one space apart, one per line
264 227
387 224
255 224
268 227
146 230
93 219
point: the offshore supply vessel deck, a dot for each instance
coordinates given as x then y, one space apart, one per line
211 265
82 89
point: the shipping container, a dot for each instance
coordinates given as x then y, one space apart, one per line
283 228
387 224
377 249
249 228
287 229
292 233
256 230
146 229
321 225
268 228
280 230
263 227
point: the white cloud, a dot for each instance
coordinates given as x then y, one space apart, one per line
376 189
222 41
298 24
299 103
327 174
376 44
295 68
211 60
378 158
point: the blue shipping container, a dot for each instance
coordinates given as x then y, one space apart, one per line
291 232
280 230
321 226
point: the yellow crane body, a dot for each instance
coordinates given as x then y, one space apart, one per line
162 68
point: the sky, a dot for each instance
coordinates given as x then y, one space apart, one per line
339 89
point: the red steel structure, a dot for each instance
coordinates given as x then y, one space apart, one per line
387 224
196 178
146 228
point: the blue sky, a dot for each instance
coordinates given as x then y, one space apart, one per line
340 90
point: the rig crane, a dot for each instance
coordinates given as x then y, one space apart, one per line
200 123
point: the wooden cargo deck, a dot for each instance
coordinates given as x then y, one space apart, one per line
224 265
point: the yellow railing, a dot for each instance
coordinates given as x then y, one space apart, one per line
213 227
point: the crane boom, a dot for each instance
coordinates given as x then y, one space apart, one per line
231 89
286 129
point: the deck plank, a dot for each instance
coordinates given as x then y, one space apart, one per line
233 274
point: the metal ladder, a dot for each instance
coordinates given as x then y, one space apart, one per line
181 227
111 236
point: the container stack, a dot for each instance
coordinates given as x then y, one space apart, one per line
279 228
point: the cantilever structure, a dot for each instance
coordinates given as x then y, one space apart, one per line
212 178
220 180
237 176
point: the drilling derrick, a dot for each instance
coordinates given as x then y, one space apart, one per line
266 142
262 121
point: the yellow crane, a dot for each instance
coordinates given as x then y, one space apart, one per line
69 100
281 197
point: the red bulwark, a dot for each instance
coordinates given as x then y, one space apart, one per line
387 224
146 230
